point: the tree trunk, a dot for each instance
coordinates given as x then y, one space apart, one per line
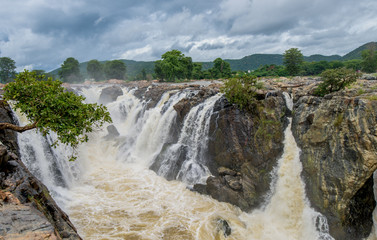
17 128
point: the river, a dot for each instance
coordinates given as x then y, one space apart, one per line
110 192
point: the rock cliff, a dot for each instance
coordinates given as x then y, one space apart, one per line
27 210
245 147
338 138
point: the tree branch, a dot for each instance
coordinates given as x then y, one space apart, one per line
17 128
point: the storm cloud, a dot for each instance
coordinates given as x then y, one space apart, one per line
41 34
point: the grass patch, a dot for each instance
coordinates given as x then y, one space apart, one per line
371 97
360 92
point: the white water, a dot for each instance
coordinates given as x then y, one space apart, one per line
110 193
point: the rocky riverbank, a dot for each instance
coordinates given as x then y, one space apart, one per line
27 210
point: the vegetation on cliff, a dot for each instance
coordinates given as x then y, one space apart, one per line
50 108
334 80
241 91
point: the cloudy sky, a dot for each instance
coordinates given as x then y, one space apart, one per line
41 34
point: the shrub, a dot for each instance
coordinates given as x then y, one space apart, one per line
335 79
241 91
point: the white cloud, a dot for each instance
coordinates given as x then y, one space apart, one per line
136 53
43 33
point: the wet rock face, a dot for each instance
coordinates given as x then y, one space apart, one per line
338 138
27 210
19 221
110 94
243 148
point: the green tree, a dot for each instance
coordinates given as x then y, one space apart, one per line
173 65
115 69
335 79
293 59
70 71
220 69
354 64
50 108
143 74
369 63
95 70
197 72
7 69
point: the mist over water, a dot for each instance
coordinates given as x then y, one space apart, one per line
110 192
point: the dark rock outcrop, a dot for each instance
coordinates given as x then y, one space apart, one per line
338 138
243 148
110 94
27 210
184 106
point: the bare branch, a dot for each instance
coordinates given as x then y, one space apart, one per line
17 128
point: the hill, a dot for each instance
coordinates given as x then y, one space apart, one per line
356 54
250 62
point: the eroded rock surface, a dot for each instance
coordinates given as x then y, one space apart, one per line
338 138
243 149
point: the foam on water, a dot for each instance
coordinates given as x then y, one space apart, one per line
110 193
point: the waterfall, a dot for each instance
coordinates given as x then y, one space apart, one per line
193 140
110 191
48 164
287 213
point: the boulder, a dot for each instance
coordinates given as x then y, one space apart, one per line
112 132
110 94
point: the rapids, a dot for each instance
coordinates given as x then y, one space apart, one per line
111 193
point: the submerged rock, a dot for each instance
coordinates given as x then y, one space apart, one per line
223 226
110 94
112 132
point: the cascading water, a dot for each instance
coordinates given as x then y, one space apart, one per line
193 141
110 192
287 214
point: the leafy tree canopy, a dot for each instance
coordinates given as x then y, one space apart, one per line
7 69
95 70
335 79
293 59
70 71
115 69
174 65
221 69
50 108
369 62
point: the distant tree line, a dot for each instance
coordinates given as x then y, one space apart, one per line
175 66
294 65
70 70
